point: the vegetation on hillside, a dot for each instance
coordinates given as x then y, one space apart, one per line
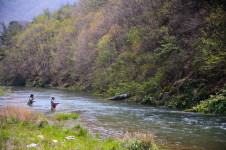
161 52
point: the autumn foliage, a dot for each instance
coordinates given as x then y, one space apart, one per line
161 52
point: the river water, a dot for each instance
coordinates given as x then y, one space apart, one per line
172 128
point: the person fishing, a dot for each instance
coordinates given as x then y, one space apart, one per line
31 100
53 103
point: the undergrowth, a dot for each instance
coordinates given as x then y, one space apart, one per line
216 104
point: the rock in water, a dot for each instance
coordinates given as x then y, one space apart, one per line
119 97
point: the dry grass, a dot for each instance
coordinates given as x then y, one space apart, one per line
142 140
147 138
143 137
20 113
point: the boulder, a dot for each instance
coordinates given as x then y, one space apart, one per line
70 137
32 145
119 97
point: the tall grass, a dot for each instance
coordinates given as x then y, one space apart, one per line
145 137
139 141
65 116
19 113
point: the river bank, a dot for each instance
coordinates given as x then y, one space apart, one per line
23 129
214 105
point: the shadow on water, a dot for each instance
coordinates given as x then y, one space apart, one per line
172 128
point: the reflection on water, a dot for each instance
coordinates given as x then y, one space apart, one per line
110 118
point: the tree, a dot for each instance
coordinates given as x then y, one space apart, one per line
6 39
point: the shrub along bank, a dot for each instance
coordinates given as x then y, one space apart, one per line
3 91
216 104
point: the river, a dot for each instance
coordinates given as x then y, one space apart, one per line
172 128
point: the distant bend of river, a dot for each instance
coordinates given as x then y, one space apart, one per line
176 129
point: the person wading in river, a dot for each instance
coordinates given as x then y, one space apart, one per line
31 100
53 104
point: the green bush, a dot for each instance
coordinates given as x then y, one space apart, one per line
65 116
105 56
43 123
4 91
149 100
77 126
82 132
215 104
137 145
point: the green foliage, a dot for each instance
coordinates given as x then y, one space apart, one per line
134 36
167 48
106 56
2 53
4 91
160 52
137 145
212 41
77 127
39 82
65 116
216 104
104 42
7 36
142 143
43 122
93 5
63 13
44 17
149 100
82 132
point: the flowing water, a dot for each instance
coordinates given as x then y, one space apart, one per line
172 128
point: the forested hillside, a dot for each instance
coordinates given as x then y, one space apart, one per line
161 52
